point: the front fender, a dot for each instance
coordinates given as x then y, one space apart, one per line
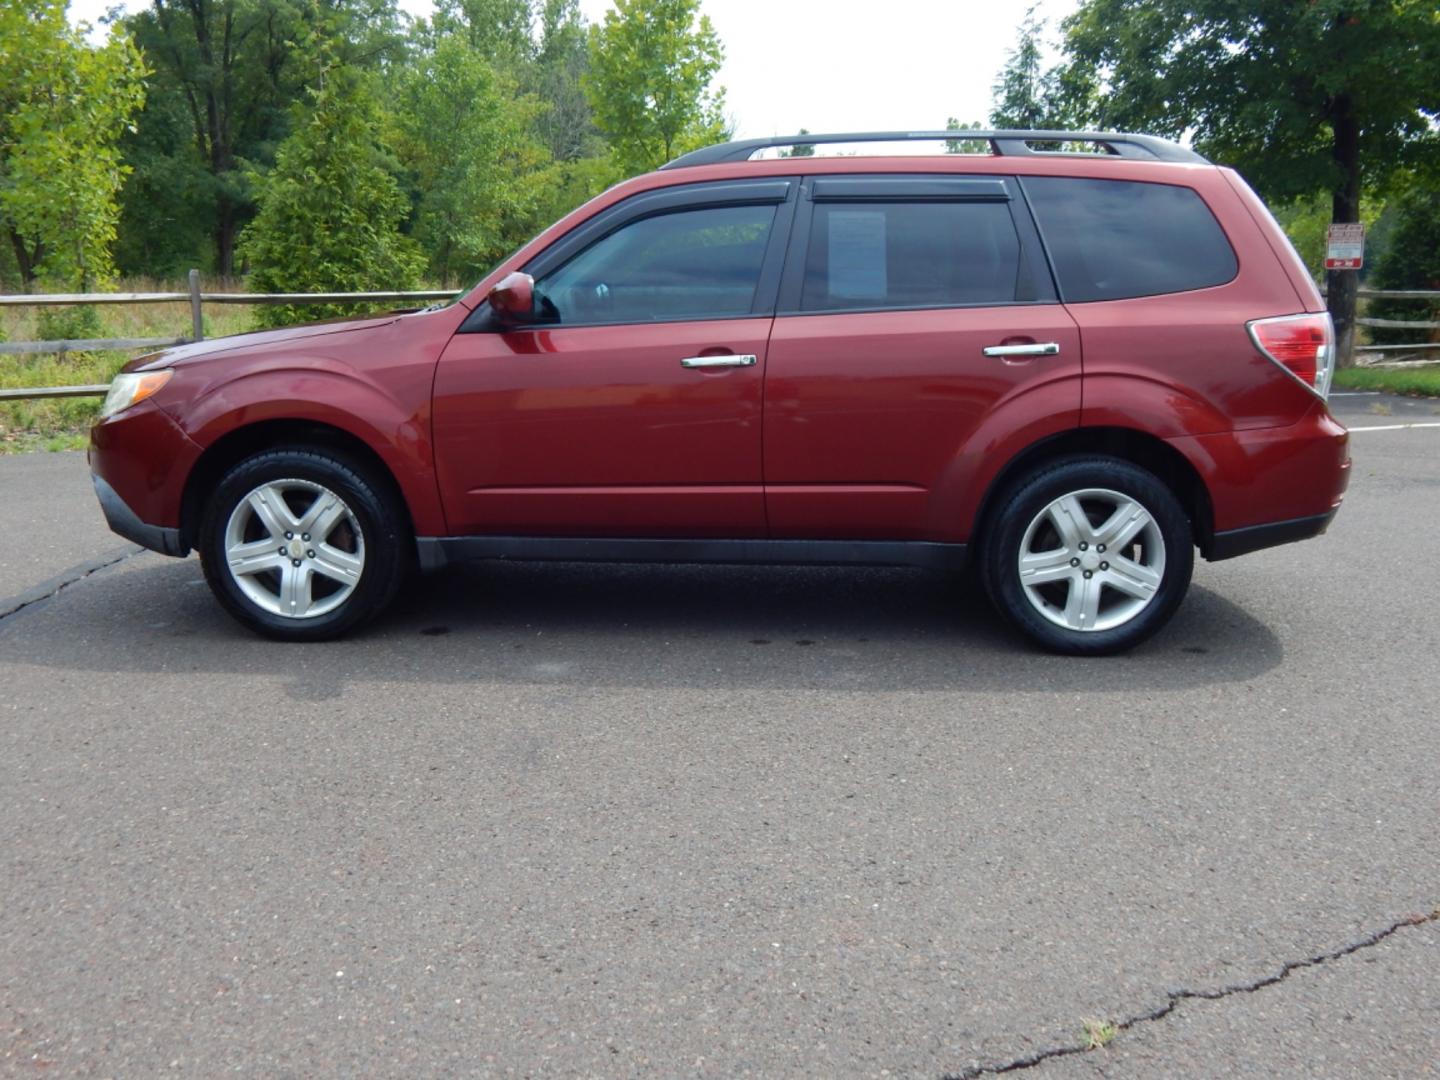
322 391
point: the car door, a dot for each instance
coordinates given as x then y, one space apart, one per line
913 311
633 407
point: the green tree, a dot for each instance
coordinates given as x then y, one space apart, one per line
566 125
800 149
63 106
651 62
1411 260
538 45
1305 222
465 136
499 30
1332 96
226 75
1019 92
330 211
1029 96
964 146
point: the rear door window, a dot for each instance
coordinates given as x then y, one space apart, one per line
871 254
1116 239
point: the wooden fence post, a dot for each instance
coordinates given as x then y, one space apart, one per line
197 323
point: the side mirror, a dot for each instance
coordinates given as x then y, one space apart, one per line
513 299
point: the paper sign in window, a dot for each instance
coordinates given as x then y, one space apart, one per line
857 254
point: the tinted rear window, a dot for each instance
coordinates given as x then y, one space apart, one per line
1112 239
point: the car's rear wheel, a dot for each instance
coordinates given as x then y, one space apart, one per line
1088 555
302 544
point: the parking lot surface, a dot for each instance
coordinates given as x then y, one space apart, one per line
718 821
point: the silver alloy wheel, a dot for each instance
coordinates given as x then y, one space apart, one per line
1092 560
294 548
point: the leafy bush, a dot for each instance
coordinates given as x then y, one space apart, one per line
76 323
1410 261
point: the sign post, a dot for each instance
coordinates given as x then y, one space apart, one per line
1344 255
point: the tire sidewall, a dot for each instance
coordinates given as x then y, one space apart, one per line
368 501
1002 548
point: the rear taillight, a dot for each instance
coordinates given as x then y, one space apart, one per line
1303 345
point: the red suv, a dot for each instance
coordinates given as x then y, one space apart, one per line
1070 367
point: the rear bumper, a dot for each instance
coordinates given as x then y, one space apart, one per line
1270 486
1233 542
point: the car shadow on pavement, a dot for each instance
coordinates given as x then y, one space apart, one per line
575 625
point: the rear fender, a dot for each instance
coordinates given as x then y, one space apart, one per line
1037 413
1142 402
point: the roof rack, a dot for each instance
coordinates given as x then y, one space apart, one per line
1006 143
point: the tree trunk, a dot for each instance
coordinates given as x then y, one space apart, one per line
225 238
1342 286
25 259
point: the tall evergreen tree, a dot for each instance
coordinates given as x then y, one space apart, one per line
330 211
1019 90
1030 96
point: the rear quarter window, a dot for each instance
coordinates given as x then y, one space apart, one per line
1116 239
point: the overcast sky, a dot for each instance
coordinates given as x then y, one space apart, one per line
840 66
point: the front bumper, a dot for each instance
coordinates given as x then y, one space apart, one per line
139 460
125 522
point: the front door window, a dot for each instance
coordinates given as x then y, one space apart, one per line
693 264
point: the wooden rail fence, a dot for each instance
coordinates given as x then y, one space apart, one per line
1397 324
196 299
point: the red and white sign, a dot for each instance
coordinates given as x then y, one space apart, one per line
1345 246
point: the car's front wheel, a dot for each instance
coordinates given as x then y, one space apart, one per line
302 544
1089 555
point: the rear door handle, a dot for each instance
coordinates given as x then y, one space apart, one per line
727 360
1048 348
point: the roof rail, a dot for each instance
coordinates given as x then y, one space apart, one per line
1007 143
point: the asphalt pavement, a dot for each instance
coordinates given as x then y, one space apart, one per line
663 821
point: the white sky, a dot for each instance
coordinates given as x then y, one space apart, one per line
840 65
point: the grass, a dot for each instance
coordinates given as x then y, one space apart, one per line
1098 1033
1418 382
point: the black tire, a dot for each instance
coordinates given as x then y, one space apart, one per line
374 533
1034 610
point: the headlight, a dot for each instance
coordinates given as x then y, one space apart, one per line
132 389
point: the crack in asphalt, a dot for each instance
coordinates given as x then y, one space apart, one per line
1174 998
64 580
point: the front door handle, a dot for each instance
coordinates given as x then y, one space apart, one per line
1043 349
1048 348
725 360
